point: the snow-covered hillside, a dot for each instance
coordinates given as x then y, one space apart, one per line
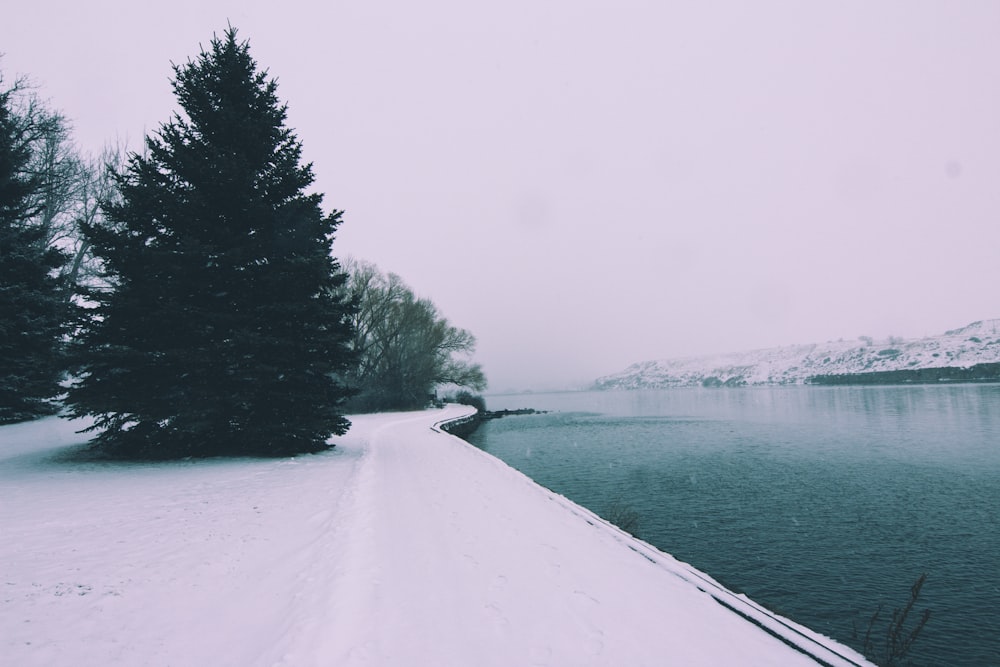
976 343
403 546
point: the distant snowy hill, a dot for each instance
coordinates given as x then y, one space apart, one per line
977 343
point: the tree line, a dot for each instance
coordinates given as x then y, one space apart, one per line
405 347
186 298
986 372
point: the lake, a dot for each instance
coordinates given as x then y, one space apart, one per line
821 503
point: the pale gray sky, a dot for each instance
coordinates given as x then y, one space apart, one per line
588 184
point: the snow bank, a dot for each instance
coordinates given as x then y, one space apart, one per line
403 546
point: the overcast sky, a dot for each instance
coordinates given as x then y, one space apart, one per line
588 184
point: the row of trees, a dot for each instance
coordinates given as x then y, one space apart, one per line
190 291
405 347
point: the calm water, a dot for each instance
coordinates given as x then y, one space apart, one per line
818 502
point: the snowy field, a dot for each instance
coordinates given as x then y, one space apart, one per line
403 546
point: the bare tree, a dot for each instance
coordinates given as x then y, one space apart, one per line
96 188
54 166
405 348
70 188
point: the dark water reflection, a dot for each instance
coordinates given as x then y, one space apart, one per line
819 502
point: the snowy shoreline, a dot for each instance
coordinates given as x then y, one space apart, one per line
403 545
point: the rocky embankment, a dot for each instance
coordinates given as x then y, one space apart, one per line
466 425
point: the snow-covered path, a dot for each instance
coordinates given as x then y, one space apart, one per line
403 546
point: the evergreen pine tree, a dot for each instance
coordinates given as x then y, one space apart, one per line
227 327
32 304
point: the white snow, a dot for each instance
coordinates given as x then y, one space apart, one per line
976 343
403 546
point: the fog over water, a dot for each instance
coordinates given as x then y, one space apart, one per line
588 184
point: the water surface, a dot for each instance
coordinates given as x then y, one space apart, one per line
819 502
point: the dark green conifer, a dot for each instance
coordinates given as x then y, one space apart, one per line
32 303
226 330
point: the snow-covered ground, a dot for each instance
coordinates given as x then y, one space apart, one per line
403 546
977 343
